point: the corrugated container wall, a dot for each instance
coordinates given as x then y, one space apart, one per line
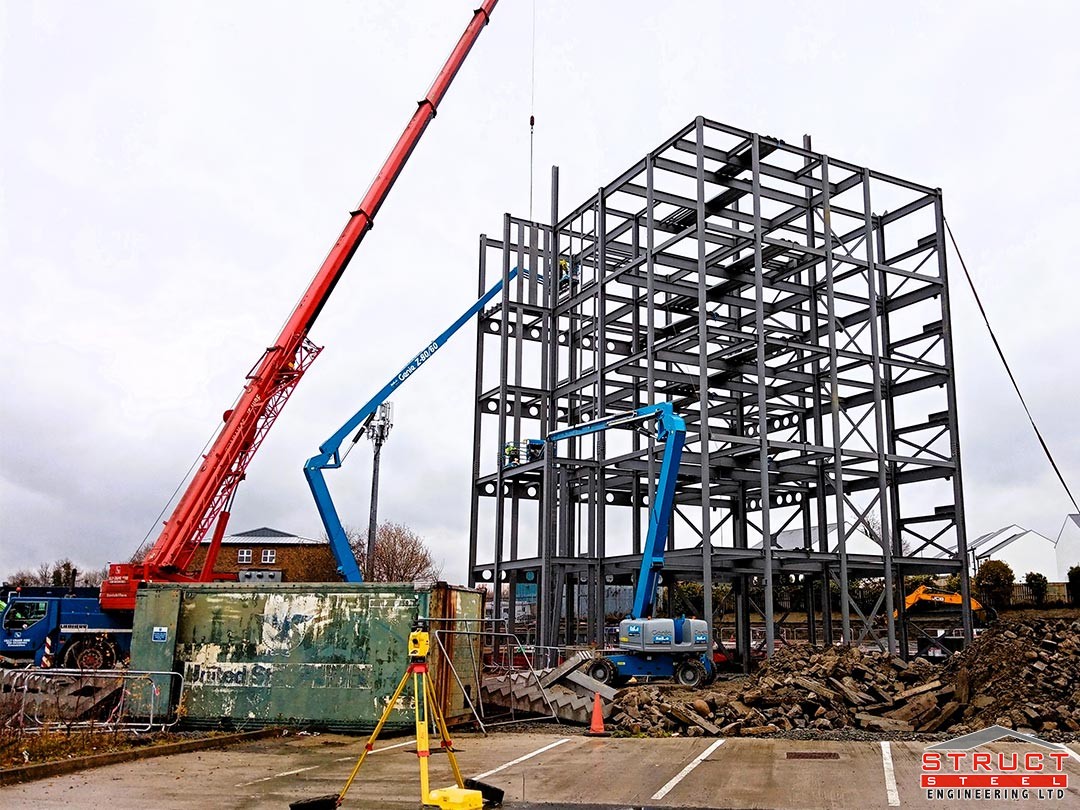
327 656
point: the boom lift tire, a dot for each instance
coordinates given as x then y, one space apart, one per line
712 676
603 670
691 673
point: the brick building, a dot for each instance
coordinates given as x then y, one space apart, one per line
272 556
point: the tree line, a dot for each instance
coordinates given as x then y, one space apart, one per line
401 555
62 573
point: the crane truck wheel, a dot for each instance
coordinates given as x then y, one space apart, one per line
91 653
690 672
603 670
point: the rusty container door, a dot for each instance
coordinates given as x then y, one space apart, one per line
456 647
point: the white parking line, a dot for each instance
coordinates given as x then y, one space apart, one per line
666 789
377 750
313 767
298 770
890 775
276 775
255 781
514 762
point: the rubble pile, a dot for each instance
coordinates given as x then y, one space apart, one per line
1020 675
800 688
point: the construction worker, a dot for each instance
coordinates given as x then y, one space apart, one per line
564 274
510 452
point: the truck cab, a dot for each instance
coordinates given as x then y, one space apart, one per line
62 627
25 623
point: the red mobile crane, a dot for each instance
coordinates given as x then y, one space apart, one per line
207 500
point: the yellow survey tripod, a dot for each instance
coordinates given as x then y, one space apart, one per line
469 794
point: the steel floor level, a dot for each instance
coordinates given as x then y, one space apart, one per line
536 770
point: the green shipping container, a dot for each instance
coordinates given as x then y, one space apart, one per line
322 656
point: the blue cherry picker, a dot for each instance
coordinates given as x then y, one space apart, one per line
678 648
331 455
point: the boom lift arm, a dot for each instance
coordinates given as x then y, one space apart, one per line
331 455
650 647
206 500
670 429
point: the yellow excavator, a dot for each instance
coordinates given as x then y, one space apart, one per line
926 596
926 606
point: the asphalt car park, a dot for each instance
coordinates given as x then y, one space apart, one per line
535 770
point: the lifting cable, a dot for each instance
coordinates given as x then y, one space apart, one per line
532 110
1008 370
156 525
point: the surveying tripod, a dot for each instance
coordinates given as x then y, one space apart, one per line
468 794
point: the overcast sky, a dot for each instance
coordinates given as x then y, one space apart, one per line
172 173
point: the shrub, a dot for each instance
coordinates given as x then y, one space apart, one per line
1039 586
1074 585
913 582
994 581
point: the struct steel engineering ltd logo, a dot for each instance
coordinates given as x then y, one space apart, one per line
955 769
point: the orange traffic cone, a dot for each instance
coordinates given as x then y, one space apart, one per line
596 727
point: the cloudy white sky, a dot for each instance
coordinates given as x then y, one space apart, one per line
172 173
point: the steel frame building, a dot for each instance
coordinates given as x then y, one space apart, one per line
795 309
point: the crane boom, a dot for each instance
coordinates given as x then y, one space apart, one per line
330 455
274 377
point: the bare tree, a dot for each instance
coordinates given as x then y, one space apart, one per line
22 577
94 577
42 575
401 555
872 524
874 528
62 573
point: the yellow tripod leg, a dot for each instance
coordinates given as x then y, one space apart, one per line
422 749
444 734
375 734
